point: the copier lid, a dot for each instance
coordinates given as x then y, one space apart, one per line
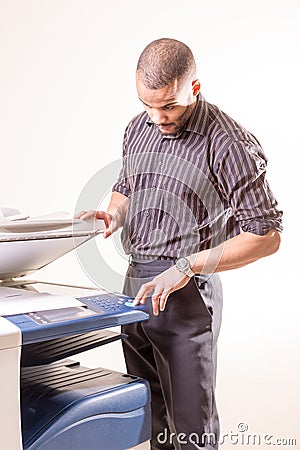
22 253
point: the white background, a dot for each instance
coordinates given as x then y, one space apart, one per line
67 93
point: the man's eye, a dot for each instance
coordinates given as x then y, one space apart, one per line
168 108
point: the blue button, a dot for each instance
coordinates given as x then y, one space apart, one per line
129 304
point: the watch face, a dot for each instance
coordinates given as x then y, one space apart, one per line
182 264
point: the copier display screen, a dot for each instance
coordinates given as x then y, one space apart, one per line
60 315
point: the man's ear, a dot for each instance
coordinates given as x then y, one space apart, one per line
196 87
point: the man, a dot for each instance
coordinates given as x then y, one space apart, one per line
193 201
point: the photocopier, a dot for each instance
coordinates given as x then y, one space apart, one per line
48 400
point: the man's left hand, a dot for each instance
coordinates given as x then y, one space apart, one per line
163 285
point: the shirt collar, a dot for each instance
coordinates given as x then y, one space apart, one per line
198 122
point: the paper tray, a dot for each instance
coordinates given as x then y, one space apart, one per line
65 406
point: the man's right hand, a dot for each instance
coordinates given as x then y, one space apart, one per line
110 224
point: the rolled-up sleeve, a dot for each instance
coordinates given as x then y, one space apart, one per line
242 179
121 186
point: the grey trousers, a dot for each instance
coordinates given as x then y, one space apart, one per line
176 352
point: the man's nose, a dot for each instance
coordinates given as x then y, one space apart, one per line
158 116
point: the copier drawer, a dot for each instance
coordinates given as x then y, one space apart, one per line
67 406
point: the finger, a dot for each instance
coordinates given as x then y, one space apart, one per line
108 231
155 303
141 298
106 217
79 215
85 215
163 300
143 293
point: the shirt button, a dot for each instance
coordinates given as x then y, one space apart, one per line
160 163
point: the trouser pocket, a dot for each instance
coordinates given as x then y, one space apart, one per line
205 290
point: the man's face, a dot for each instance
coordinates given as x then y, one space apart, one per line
171 106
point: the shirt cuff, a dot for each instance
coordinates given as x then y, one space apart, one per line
262 226
121 189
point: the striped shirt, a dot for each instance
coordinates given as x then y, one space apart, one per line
195 190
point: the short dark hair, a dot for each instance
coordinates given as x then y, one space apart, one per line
163 61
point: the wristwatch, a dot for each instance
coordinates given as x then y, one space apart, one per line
183 265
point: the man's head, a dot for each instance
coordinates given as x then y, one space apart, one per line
167 84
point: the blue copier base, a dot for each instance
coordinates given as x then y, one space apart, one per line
67 406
